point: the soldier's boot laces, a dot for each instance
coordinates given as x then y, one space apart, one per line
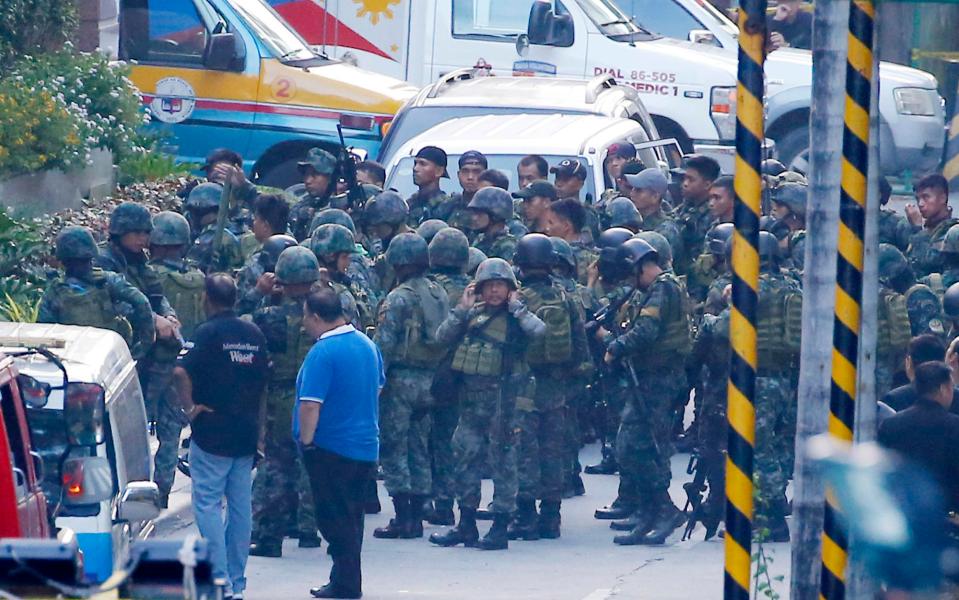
464 533
399 524
496 538
607 466
524 525
414 525
670 518
549 519
442 513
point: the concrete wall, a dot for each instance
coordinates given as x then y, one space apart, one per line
51 191
99 28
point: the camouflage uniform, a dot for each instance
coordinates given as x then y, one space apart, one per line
923 253
669 228
303 211
694 221
455 214
586 255
894 229
425 206
501 244
940 282
201 253
261 262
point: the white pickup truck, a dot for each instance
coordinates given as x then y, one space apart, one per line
689 88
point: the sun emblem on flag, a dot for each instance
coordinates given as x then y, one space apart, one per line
375 8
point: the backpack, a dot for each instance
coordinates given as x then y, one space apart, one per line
89 304
429 309
779 323
895 329
550 304
184 291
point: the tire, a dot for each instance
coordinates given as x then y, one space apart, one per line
793 149
281 175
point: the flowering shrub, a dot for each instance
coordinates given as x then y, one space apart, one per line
34 26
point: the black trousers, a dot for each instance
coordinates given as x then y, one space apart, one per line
339 489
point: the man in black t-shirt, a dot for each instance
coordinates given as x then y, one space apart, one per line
790 26
221 379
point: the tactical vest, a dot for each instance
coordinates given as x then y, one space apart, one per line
288 342
674 341
895 330
429 307
183 289
454 288
778 324
549 303
88 304
482 350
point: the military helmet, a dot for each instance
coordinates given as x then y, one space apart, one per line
205 196
534 251
495 269
564 253
716 238
450 248
331 238
664 252
76 243
322 161
170 229
892 263
476 257
950 301
621 212
128 217
613 237
633 252
370 191
297 191
387 208
430 228
772 167
768 248
950 242
333 215
272 248
408 249
297 265
793 196
494 201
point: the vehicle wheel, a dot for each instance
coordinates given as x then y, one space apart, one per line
793 149
281 175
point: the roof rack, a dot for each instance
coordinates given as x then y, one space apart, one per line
597 85
31 341
453 76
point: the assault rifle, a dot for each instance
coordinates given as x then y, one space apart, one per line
223 213
702 464
604 318
346 168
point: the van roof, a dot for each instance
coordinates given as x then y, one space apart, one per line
89 354
554 134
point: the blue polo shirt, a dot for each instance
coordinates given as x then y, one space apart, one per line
344 372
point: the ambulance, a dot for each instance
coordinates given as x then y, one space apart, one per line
686 81
233 73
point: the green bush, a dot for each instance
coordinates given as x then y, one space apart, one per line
31 27
22 270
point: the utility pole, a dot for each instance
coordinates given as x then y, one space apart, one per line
822 222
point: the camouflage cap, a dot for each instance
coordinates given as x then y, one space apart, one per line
408 249
333 215
564 252
76 243
950 301
129 217
495 201
449 248
892 263
387 208
322 161
331 238
664 252
495 269
297 265
621 212
430 228
476 257
205 196
170 229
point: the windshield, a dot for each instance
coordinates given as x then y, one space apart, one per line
282 41
721 19
610 20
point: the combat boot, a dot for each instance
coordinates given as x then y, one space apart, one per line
607 466
778 529
549 519
634 520
667 521
619 509
485 514
269 550
442 513
414 526
398 526
524 525
371 505
464 533
309 540
496 538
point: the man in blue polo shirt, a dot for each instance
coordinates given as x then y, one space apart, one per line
335 424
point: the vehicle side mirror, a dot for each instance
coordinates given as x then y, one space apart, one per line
703 36
139 502
84 406
221 51
546 28
34 393
87 480
522 44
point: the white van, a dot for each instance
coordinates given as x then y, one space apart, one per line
99 361
689 88
505 139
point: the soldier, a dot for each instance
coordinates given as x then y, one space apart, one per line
693 214
554 360
491 208
449 257
532 167
318 185
476 258
621 212
709 265
202 206
471 164
429 167
617 155
183 286
949 255
893 227
647 189
429 228
223 164
370 172
570 176
84 295
722 199
361 264
789 208
280 489
333 246
566 219
490 339
935 218
656 317
386 216
264 284
406 334
950 308
719 247
270 216
535 199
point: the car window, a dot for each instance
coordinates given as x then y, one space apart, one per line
490 18
14 437
128 417
665 17
165 32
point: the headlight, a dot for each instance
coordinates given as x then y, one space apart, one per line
916 101
722 109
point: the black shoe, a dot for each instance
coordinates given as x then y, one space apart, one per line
266 550
496 538
414 525
464 533
549 520
670 518
330 591
607 466
614 511
399 526
579 488
524 525
629 523
485 514
634 537
309 541
442 513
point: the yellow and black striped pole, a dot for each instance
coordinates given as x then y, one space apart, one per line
848 315
742 331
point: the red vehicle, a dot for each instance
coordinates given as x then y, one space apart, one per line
23 507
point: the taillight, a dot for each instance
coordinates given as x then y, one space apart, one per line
385 126
73 479
356 122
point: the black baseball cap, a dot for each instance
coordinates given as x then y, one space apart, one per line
434 155
569 167
539 187
473 156
622 150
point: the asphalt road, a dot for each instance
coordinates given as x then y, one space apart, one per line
583 564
